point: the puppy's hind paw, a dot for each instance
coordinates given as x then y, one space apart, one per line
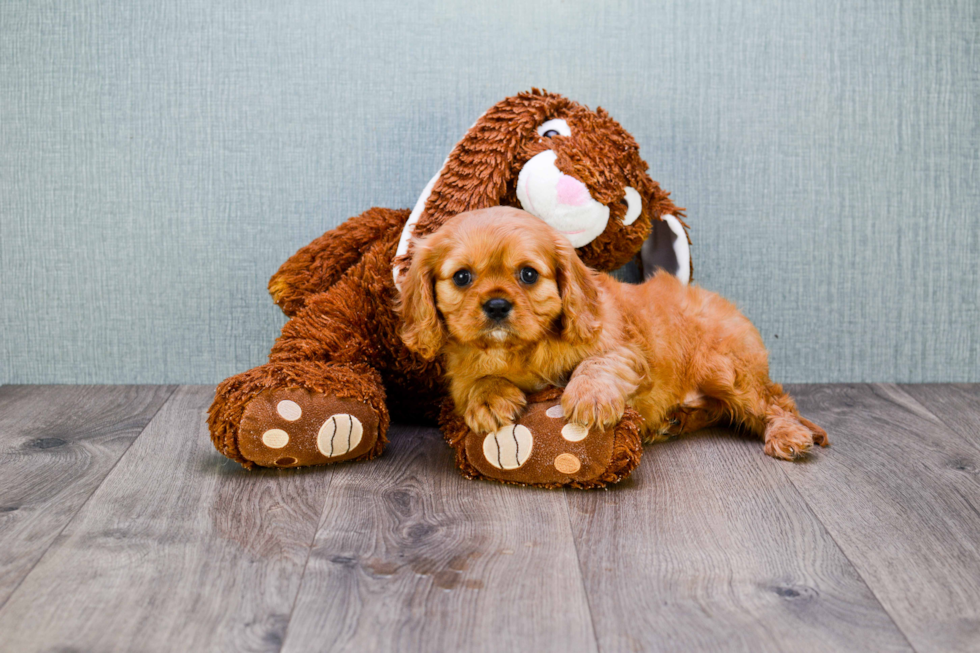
819 435
792 438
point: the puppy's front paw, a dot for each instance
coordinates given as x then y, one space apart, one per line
495 409
591 403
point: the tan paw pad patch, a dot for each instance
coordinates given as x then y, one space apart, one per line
339 434
567 463
508 448
574 432
555 412
289 410
275 438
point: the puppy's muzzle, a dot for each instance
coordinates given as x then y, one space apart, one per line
497 309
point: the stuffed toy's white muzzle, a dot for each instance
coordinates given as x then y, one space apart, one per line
560 200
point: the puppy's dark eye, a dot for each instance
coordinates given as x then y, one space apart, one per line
550 133
462 278
529 275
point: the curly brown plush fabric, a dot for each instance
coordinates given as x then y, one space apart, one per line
342 342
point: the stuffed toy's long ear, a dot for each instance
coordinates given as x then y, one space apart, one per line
579 295
668 247
422 330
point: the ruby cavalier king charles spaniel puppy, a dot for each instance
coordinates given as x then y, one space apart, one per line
505 300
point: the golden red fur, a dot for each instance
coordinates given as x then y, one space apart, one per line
662 347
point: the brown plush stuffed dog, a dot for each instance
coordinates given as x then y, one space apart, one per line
511 308
339 365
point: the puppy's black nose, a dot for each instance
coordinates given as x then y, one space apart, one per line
497 308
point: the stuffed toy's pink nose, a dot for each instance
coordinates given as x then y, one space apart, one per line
572 192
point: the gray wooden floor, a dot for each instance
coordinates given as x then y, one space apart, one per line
122 529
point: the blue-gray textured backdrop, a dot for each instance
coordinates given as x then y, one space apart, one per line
159 159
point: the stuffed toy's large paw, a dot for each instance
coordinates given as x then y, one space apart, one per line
294 427
543 450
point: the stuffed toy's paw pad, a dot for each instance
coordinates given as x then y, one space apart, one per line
294 427
543 449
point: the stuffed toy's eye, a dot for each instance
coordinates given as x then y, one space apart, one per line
529 275
555 127
462 278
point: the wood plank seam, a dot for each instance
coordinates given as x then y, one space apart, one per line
306 562
578 561
173 389
716 566
414 543
843 550
946 425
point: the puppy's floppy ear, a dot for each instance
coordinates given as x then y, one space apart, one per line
579 292
422 330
